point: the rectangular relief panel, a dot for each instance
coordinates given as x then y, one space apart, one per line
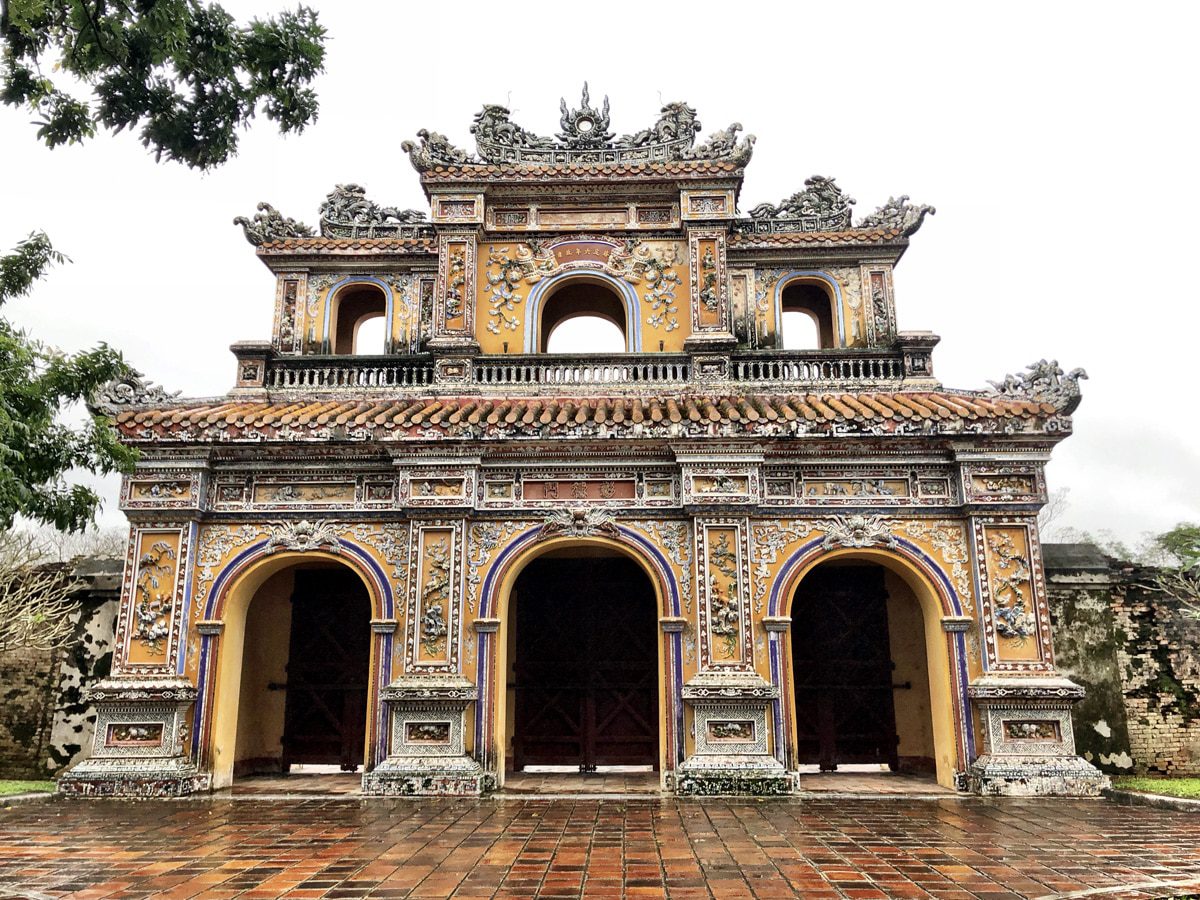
708 204
433 597
1015 617
289 312
723 579
457 209
710 295
179 489
152 600
1017 483
881 314
454 314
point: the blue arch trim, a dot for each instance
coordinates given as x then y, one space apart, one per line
387 600
819 276
911 550
387 314
540 292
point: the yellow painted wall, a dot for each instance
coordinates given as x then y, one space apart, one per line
906 632
264 660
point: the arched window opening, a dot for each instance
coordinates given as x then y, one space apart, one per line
354 307
807 309
592 317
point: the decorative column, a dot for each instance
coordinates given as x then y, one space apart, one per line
1023 702
730 701
427 703
712 319
454 300
142 709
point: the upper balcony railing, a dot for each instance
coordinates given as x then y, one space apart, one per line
812 370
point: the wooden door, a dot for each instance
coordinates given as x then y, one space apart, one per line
328 670
842 669
586 665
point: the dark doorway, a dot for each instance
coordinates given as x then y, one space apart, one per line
841 660
586 664
328 670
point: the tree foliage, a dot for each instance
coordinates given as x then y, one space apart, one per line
190 78
37 383
183 72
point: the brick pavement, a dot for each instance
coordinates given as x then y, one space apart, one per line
955 849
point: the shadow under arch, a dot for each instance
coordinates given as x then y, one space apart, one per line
215 720
546 288
492 648
945 652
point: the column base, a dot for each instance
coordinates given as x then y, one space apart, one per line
733 776
142 778
427 777
1035 776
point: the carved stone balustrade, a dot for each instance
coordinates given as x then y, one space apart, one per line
584 373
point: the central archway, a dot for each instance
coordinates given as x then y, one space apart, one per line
496 717
583 662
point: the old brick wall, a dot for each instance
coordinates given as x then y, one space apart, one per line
1160 663
44 723
27 679
1137 654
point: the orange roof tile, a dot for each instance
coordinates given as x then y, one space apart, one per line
874 412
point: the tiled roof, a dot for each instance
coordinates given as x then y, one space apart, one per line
849 236
871 412
683 167
316 245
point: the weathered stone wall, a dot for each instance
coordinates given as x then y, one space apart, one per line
44 723
27 679
1137 654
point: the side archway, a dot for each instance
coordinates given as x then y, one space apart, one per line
944 652
257 572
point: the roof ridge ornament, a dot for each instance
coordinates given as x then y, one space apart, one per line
435 150
129 389
899 213
346 212
821 206
269 225
585 128
824 206
584 139
1045 382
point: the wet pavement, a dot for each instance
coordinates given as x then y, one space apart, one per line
350 847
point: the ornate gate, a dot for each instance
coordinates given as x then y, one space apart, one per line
328 670
841 660
586 664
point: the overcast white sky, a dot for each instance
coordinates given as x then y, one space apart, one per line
1057 140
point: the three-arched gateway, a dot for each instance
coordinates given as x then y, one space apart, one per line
717 553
